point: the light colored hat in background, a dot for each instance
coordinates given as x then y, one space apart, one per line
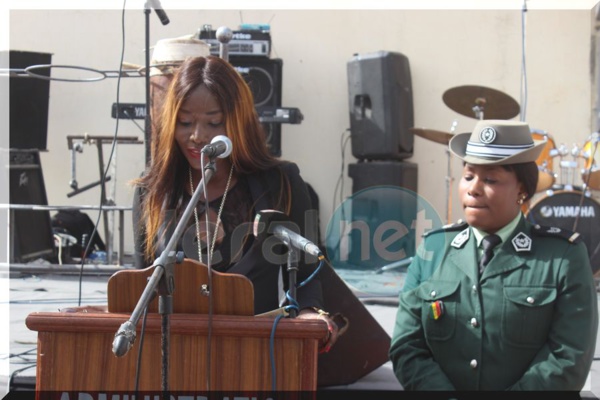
168 54
497 142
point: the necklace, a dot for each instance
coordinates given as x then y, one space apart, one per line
212 247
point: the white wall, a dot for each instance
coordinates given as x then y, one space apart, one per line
445 48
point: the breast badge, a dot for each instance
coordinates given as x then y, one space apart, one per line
521 242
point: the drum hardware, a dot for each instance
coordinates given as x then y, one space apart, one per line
569 159
569 167
449 178
590 174
479 102
433 135
546 176
441 138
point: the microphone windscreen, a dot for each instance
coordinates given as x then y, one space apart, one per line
226 141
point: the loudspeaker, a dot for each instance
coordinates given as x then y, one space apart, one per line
31 230
381 106
368 174
365 345
29 99
377 203
264 76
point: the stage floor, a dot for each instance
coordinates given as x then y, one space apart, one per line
53 288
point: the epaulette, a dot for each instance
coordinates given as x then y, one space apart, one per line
553 231
457 226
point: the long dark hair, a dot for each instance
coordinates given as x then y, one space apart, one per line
250 153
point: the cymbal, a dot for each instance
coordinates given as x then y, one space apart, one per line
433 135
493 103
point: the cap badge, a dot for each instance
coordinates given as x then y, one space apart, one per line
487 135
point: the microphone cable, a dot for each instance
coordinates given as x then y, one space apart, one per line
102 196
293 304
103 178
344 139
209 276
272 353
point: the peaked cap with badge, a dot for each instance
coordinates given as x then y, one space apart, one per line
497 142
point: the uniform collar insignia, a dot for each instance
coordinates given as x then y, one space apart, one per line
460 239
521 242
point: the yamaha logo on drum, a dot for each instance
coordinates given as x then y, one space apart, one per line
567 211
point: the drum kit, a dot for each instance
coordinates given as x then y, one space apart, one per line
563 201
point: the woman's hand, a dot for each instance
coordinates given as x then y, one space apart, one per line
333 325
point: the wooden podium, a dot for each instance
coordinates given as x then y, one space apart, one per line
75 346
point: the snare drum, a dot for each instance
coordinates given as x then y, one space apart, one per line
561 209
546 176
591 154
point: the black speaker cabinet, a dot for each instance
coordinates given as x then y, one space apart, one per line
365 345
264 76
368 174
377 204
29 99
381 106
30 230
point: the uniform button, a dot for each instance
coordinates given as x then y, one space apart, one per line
433 293
530 300
474 322
473 364
475 288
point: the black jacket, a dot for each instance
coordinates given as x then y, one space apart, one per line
262 271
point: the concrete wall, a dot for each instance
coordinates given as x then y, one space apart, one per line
445 48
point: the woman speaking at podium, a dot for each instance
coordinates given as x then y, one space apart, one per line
207 98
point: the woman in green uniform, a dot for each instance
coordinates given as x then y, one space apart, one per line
495 302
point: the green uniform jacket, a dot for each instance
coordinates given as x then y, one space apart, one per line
529 322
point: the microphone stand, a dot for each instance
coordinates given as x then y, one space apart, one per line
147 118
161 280
164 20
292 268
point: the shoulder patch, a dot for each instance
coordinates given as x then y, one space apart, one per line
457 226
553 231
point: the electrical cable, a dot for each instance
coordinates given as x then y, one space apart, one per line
272 353
293 304
139 357
110 157
209 276
340 182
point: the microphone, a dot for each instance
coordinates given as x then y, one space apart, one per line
220 147
224 35
272 222
124 339
155 4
